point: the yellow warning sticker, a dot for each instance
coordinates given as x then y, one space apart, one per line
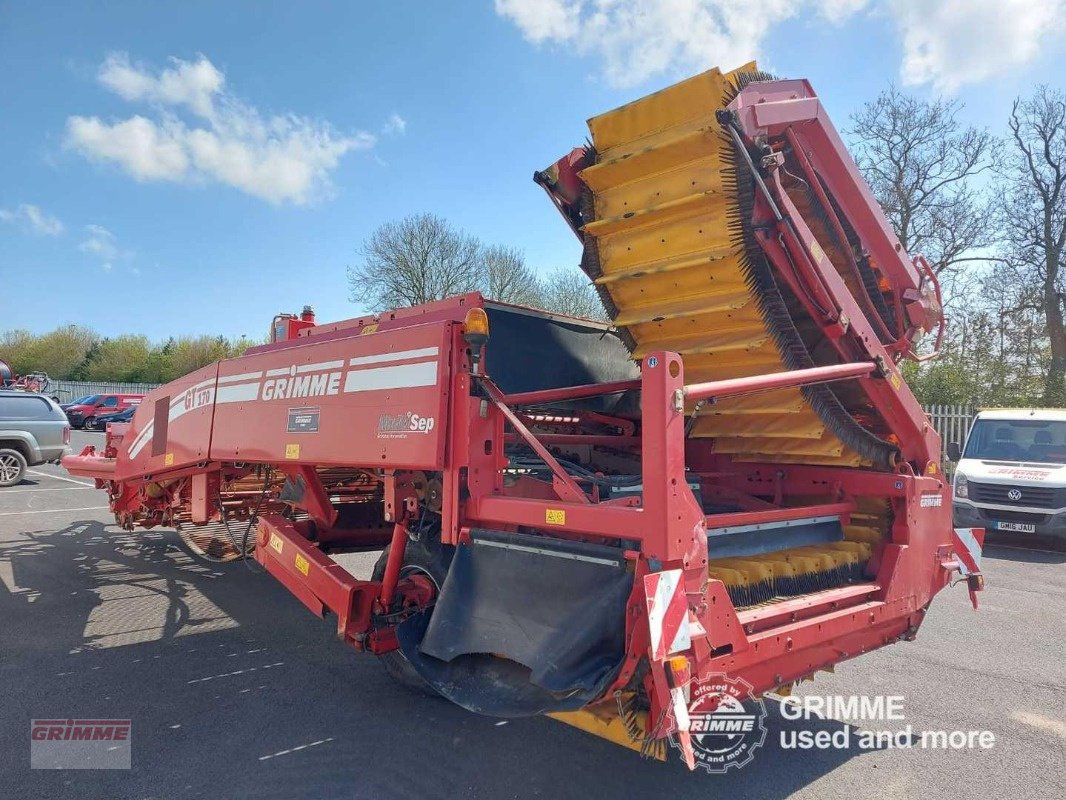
292 451
555 516
276 543
302 564
895 380
168 460
370 328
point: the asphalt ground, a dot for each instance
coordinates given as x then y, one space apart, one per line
236 691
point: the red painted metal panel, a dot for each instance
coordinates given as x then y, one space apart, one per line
371 400
186 438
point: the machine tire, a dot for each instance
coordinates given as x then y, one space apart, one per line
433 559
12 467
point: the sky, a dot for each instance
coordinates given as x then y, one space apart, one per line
197 167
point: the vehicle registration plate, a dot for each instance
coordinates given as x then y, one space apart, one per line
1018 527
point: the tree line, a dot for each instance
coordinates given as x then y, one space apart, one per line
77 353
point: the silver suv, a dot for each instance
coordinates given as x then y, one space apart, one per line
33 430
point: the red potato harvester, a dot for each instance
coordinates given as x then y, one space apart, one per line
582 519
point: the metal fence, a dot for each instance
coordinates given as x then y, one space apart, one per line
952 423
69 390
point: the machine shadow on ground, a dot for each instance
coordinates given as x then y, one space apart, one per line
224 674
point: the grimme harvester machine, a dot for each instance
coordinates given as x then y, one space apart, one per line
583 519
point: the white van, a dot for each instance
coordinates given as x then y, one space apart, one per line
1011 478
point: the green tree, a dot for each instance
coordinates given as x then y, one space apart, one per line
123 358
59 353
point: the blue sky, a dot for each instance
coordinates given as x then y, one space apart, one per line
200 167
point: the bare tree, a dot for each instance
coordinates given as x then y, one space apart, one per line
1033 215
508 278
568 291
920 161
416 260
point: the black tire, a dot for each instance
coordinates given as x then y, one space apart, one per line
433 559
86 424
12 467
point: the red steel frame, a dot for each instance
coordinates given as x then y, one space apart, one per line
215 432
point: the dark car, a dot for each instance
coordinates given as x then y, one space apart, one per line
99 422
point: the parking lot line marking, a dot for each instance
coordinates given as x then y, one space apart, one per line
59 477
295 749
52 511
1041 723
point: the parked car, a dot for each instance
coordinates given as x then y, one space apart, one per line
99 422
77 401
97 404
33 430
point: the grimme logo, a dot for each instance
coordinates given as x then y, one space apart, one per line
399 425
80 743
725 733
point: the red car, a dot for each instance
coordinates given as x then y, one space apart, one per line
82 412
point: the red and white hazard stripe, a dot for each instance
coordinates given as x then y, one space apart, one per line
968 543
668 623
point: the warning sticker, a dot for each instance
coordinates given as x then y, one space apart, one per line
303 419
302 564
555 516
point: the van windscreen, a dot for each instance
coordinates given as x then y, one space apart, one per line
1029 440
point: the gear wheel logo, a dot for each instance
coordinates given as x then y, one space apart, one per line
727 723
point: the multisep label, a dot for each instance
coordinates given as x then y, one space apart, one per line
399 426
80 743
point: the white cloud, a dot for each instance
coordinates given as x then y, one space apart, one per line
543 20
637 41
394 124
839 10
946 43
282 159
147 151
949 43
31 218
190 84
103 244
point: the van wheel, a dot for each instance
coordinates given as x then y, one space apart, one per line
431 559
12 467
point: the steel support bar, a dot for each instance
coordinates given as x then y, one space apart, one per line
777 380
778 515
569 393
564 484
580 438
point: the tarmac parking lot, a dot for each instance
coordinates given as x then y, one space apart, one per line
235 690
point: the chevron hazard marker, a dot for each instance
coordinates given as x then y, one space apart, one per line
667 612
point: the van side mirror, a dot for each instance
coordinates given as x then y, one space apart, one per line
954 452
